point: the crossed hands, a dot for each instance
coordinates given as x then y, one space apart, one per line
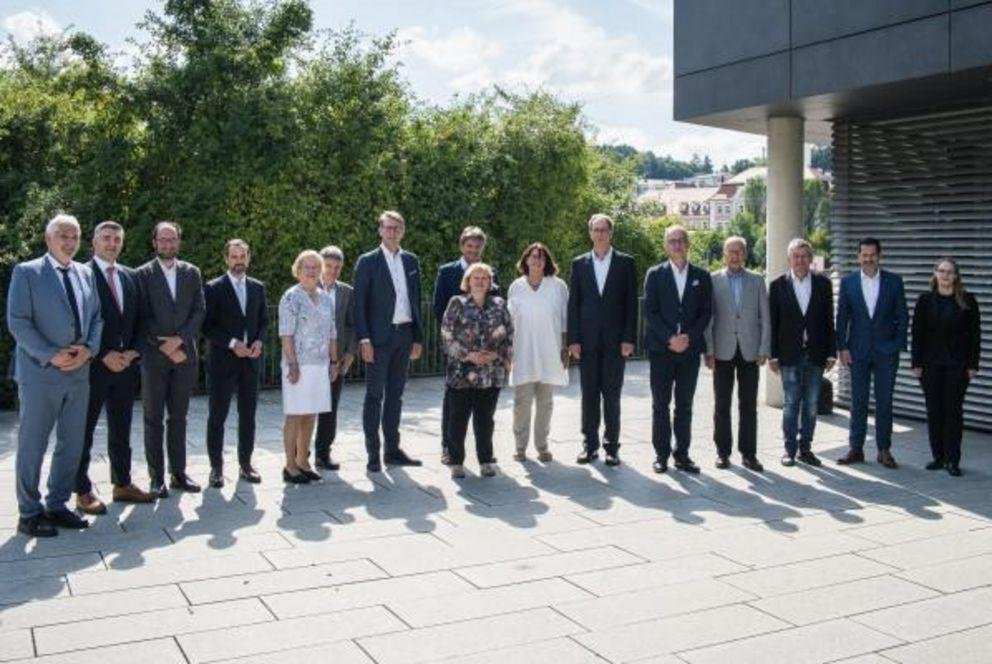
117 361
172 348
242 349
71 358
678 343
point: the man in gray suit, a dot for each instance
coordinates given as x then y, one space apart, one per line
344 320
737 344
53 313
172 310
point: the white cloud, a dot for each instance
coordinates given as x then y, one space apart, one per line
722 146
460 51
622 135
27 25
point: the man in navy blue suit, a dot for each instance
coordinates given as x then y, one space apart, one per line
448 284
872 320
390 333
678 305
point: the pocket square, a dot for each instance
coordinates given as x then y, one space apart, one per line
695 282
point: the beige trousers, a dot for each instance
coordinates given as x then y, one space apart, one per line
523 398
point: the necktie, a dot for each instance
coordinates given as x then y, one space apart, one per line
239 289
112 282
70 292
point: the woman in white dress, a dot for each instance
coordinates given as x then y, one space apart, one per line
538 302
309 362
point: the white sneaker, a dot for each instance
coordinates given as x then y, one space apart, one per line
457 471
487 470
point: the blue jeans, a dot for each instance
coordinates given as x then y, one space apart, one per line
880 369
801 390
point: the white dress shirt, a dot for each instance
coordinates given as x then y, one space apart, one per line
601 267
401 310
680 278
240 286
77 283
869 288
118 285
463 263
170 277
803 288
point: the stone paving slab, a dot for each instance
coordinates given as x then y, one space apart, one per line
547 562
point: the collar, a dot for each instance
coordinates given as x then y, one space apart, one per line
175 262
463 263
324 287
243 279
54 263
390 254
794 277
606 257
865 276
739 274
102 264
675 268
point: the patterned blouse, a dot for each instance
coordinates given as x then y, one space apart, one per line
311 325
467 327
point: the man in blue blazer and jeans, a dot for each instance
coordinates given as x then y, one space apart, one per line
678 305
872 320
390 333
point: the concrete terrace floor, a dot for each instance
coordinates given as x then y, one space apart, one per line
544 563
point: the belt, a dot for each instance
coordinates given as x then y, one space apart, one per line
401 326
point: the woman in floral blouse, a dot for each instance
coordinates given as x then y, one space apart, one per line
477 332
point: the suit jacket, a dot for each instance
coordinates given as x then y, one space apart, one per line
449 284
958 339
161 316
41 322
344 318
883 333
224 320
787 321
747 326
602 321
665 315
375 297
120 328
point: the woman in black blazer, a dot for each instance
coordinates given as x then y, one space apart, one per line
946 347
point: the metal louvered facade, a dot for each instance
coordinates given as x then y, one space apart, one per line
923 186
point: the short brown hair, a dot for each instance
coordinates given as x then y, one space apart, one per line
175 226
472 233
550 267
236 242
394 216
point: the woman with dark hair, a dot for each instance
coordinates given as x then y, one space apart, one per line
538 302
946 348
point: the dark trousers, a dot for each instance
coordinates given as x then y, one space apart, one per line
327 423
882 370
385 379
166 388
746 374
445 411
601 377
944 389
117 392
480 405
679 373
226 377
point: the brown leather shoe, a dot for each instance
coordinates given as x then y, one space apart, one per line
852 456
88 503
132 494
886 459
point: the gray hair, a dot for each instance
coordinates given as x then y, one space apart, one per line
799 243
60 221
333 252
108 225
735 239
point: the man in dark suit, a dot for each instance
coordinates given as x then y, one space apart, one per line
113 373
678 304
803 346
602 332
390 334
236 322
447 285
872 325
343 297
172 310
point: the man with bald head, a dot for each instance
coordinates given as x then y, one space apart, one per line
53 313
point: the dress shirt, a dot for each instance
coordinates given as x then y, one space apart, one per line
118 286
803 288
463 263
736 280
869 288
77 282
240 291
170 277
680 278
401 310
601 266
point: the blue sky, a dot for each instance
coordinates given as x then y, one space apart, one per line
613 56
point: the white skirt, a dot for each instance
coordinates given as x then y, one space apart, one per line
310 395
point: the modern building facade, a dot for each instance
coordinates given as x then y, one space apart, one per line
902 90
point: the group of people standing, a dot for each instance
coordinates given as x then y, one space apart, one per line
88 334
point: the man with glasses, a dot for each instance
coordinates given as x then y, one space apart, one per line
678 304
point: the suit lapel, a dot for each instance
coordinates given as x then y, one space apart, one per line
54 280
384 268
592 274
609 272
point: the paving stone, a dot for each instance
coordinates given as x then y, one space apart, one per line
16 644
89 607
935 550
160 651
157 575
339 652
953 576
554 650
50 566
542 567
806 574
965 647
933 617
770 549
908 530
637 577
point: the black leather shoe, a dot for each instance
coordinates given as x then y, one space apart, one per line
612 459
788 460
810 459
686 465
183 483
64 518
935 465
314 477
660 466
399 458
722 462
36 526
324 462
298 478
445 457
373 466
585 456
752 464
954 470
158 489
249 474
216 478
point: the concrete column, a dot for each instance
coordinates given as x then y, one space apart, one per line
785 204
